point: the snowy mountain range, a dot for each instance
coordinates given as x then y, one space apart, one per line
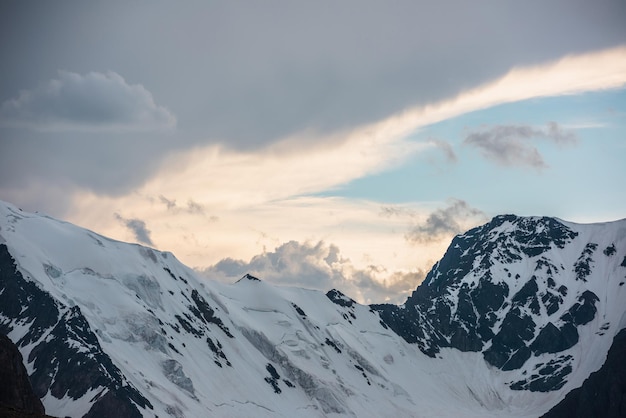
517 314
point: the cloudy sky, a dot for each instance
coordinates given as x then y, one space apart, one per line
317 144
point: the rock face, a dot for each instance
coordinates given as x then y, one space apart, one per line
603 394
483 297
15 390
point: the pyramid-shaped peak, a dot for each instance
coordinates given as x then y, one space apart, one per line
249 277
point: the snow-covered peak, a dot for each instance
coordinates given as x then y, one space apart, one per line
532 294
249 277
517 313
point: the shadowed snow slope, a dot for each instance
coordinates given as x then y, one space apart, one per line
517 313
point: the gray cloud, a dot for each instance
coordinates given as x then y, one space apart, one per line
510 145
391 211
319 266
245 81
234 77
137 227
445 148
444 222
192 207
90 102
195 207
170 204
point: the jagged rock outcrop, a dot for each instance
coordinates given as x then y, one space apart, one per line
16 393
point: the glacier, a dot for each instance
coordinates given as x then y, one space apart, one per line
517 314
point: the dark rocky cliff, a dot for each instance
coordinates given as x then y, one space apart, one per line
16 394
603 394
59 366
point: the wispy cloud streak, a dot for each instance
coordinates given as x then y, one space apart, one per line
271 189
137 227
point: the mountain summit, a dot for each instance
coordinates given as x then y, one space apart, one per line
523 292
517 314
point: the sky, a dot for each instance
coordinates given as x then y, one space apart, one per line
314 144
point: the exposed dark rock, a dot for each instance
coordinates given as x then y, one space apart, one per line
550 268
447 312
274 378
111 405
527 296
299 310
554 340
9 412
509 350
59 367
428 318
16 305
548 377
582 267
527 293
583 311
552 302
249 277
15 389
610 250
339 298
216 348
333 345
188 327
489 296
603 393
204 312
170 273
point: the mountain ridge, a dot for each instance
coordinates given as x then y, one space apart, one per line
180 346
468 321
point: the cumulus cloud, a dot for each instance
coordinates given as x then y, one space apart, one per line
320 266
510 145
137 227
445 222
90 102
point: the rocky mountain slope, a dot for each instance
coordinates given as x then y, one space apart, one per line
523 292
603 394
518 313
